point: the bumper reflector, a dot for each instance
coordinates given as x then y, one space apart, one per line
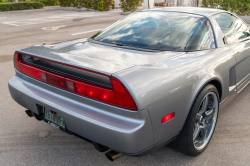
167 117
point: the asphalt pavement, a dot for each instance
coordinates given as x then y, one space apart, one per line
26 141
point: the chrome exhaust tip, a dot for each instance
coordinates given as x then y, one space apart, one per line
112 155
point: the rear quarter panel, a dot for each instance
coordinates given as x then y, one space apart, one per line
172 85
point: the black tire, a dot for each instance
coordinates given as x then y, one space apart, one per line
184 142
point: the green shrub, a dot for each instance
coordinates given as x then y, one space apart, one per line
66 3
49 2
20 6
240 7
4 1
130 5
101 5
45 2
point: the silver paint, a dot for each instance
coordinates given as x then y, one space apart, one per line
159 82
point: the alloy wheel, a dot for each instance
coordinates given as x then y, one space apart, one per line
205 121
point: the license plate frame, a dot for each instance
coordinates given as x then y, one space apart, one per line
54 119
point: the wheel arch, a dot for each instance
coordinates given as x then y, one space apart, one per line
213 81
217 85
183 139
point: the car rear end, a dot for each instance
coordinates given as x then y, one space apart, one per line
115 89
92 104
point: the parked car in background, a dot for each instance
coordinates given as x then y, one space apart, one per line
155 77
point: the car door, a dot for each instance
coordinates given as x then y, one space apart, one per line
237 36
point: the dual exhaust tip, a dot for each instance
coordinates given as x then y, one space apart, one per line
111 155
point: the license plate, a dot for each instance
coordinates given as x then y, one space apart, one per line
54 119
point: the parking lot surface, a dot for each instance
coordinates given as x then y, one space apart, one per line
20 30
26 141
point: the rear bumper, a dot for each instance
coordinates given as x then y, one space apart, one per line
128 132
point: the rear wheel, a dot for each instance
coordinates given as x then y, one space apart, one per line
200 124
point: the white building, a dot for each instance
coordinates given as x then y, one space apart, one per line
159 3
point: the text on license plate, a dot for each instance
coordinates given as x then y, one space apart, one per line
51 116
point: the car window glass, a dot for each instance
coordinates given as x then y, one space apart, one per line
165 31
234 29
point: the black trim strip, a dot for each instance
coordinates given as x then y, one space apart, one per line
68 71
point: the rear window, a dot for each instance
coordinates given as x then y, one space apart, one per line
166 31
235 29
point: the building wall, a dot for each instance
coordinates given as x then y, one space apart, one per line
178 2
148 4
151 3
117 2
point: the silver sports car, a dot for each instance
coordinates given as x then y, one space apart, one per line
155 77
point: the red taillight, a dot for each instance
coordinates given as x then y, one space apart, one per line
56 80
27 69
122 96
167 117
118 96
31 71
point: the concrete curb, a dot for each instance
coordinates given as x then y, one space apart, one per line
75 9
49 8
126 13
129 12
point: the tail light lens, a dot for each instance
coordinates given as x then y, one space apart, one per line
28 70
122 96
118 95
